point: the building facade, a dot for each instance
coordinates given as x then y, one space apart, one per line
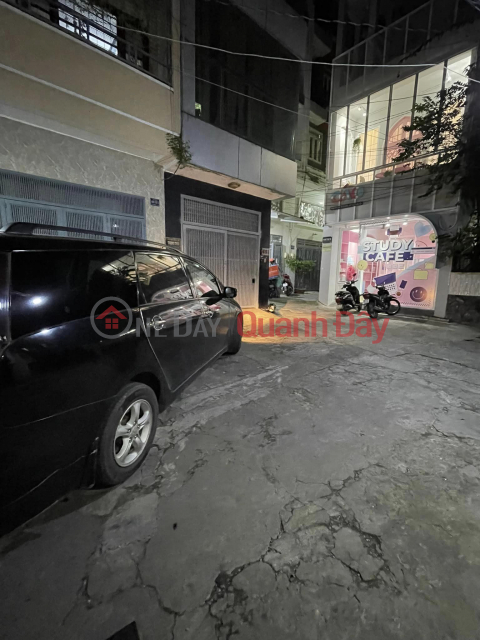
379 224
243 118
297 223
87 100
87 107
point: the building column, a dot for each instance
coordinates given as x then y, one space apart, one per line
329 266
443 284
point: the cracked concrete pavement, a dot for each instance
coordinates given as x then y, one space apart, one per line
302 489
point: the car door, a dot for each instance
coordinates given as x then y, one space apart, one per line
173 317
221 312
57 375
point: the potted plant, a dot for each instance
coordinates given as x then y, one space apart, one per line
299 266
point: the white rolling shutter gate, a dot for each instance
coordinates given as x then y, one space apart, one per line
227 241
26 198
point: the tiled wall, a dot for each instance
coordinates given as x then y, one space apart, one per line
28 149
464 284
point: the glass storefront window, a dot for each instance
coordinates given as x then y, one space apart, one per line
377 125
348 255
386 113
457 65
357 119
429 83
399 254
400 116
365 177
405 166
424 161
339 132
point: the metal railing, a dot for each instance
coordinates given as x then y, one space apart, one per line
104 30
419 29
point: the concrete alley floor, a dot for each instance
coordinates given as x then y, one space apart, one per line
305 488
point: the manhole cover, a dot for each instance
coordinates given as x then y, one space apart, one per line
129 632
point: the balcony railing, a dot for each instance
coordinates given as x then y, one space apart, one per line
395 43
109 29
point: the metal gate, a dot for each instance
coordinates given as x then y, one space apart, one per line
277 250
25 198
309 250
227 241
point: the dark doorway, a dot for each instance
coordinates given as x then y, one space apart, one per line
309 250
276 250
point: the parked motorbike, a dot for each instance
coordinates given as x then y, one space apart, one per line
287 286
273 288
348 298
381 302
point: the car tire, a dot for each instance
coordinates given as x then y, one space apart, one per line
134 416
235 341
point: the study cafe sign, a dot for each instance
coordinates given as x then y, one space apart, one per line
393 250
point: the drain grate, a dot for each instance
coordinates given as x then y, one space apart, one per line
130 632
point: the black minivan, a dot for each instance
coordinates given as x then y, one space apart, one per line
97 337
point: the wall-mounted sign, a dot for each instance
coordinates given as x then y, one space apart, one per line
386 250
155 202
347 196
174 242
265 252
326 244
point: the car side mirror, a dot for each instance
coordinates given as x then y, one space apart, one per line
230 292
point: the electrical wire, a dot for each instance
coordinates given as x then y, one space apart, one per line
309 18
300 61
375 186
281 58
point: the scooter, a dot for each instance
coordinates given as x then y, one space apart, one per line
348 298
381 302
287 286
273 289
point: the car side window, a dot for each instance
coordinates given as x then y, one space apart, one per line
204 283
161 278
49 288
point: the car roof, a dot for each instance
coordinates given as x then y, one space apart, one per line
23 242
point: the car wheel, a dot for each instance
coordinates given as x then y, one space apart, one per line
128 434
235 341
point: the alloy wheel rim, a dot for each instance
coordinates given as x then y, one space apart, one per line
132 433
